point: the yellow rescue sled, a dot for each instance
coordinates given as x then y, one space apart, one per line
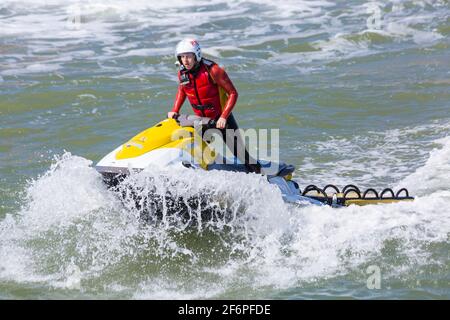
351 194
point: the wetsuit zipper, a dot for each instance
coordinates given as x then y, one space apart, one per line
198 96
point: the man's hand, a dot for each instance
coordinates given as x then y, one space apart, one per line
221 123
171 114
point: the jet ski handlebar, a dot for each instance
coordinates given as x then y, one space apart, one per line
194 121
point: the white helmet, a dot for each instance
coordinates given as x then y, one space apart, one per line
189 45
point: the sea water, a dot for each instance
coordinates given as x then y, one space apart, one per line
359 90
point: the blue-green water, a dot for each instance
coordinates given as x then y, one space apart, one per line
360 91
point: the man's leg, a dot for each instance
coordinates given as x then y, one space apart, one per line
237 146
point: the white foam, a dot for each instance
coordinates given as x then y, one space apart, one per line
400 30
62 26
73 280
72 218
52 199
87 95
215 51
378 159
146 52
434 176
42 68
70 208
357 234
33 68
166 289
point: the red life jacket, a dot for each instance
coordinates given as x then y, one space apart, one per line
203 92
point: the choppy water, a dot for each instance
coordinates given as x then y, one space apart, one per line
359 89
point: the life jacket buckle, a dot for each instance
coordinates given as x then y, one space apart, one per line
202 107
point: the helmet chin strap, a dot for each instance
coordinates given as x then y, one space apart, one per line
196 66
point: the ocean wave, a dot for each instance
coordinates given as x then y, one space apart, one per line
72 233
342 31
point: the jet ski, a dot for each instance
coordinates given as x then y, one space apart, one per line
178 142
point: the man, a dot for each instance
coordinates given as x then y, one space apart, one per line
210 92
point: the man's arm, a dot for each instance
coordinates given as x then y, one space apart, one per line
179 99
221 78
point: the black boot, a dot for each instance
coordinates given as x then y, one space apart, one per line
253 167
